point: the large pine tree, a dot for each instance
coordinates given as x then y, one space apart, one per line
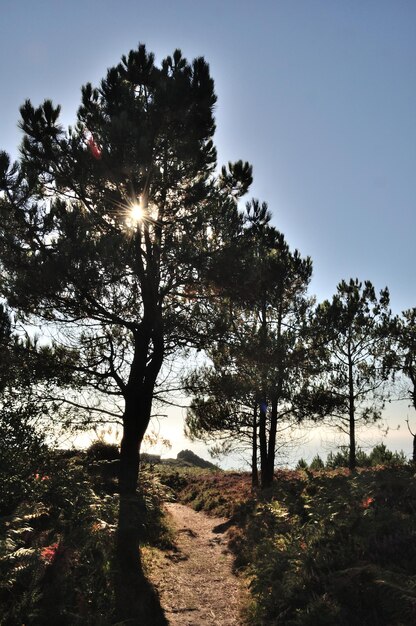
104 234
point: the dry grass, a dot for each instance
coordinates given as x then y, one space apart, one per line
195 580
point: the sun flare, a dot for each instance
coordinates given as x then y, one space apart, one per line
136 213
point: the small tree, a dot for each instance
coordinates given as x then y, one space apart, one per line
224 407
380 455
352 337
317 463
404 359
341 458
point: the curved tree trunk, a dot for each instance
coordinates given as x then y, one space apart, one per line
136 600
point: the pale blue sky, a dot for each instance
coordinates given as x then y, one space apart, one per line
320 96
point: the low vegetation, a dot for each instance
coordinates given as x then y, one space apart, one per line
379 455
57 556
321 547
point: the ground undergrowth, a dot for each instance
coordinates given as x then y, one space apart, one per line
320 548
57 541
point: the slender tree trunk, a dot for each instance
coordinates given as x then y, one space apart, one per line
352 454
263 407
263 443
254 468
414 449
413 379
414 406
271 452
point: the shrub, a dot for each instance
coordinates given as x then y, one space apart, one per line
100 450
22 453
341 458
317 463
57 548
380 455
56 552
349 559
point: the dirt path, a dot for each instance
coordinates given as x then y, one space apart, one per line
196 583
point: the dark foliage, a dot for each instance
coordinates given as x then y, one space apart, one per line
57 557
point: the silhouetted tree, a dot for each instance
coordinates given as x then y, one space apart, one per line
104 234
414 441
224 407
258 364
404 357
352 335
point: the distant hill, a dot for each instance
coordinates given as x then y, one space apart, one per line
193 459
185 458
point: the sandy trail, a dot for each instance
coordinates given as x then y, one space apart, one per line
195 582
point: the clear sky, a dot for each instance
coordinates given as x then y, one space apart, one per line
319 95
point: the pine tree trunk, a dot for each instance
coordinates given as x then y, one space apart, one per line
271 452
352 462
412 377
254 469
266 476
136 600
263 445
265 479
266 459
